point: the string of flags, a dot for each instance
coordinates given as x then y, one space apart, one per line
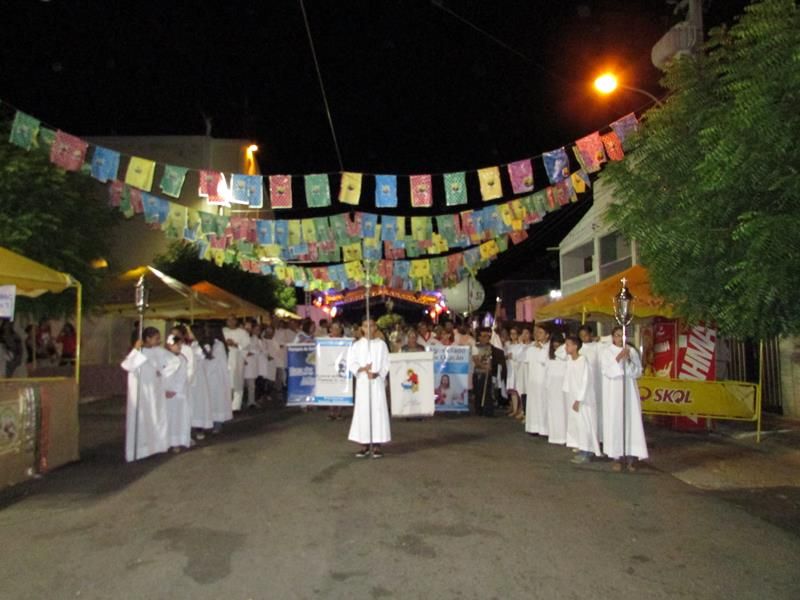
276 192
317 253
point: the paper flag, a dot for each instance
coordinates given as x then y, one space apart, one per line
420 268
556 163
385 191
175 225
212 186
280 191
140 173
339 225
324 233
590 153
105 164
624 127
421 228
136 201
580 180
68 151
350 189
354 225
318 191
455 188
309 228
155 209
172 180
295 233
282 233
491 188
46 138
446 227
613 146
389 228
247 189
369 223
421 191
521 175
24 130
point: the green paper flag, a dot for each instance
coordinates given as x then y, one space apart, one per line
24 130
318 191
455 187
172 180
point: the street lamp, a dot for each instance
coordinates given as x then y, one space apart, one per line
608 82
623 313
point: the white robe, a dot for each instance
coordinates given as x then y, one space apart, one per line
179 410
578 386
219 385
536 403
267 360
236 357
362 353
146 402
592 350
555 370
635 443
199 390
252 352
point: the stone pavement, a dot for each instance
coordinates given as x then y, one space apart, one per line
460 507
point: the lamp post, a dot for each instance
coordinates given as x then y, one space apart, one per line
623 313
608 82
142 302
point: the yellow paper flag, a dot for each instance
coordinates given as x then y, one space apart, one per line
353 270
309 230
219 257
491 188
578 184
420 268
489 249
295 235
140 173
350 190
505 213
351 252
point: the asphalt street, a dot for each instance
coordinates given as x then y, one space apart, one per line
460 507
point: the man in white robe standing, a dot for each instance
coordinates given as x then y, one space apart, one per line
536 357
368 361
146 411
621 368
237 339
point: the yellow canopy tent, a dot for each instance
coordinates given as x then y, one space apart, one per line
598 299
231 303
169 298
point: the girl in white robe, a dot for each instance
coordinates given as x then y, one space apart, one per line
557 411
368 361
146 410
176 387
536 403
616 362
580 392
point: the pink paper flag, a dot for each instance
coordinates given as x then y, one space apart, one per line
212 187
280 191
591 151
136 200
521 175
68 151
421 191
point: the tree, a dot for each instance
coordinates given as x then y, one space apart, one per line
54 217
710 190
182 263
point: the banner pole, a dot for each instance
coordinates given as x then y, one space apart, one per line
368 333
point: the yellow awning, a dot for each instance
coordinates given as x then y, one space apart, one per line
231 303
31 278
598 299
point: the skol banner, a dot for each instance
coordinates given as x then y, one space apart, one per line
411 383
301 359
334 385
717 399
451 378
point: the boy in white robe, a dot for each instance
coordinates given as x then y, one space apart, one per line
146 411
268 361
368 361
252 353
237 339
580 392
622 367
591 350
557 409
176 386
535 403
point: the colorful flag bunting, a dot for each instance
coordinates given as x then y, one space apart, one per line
68 151
491 188
318 191
421 191
350 188
24 130
385 191
521 175
556 163
248 190
589 152
140 173
280 191
455 188
105 164
172 180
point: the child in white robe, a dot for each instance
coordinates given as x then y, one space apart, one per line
557 411
535 402
579 388
176 387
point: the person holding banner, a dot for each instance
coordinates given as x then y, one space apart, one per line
622 367
368 361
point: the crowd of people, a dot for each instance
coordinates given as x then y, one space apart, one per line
573 390
36 344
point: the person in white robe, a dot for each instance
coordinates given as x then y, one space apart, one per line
146 412
368 361
199 392
580 392
622 406
176 392
252 354
267 361
536 402
237 338
557 409
591 350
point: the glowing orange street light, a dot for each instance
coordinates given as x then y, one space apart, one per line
252 148
608 82
250 159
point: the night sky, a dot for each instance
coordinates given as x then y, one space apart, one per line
413 87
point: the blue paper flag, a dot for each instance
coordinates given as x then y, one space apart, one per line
282 233
388 228
247 189
105 164
368 224
265 231
556 163
385 191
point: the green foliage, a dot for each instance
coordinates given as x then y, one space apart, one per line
182 263
710 190
55 218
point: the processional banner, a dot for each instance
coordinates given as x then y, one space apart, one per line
334 384
451 368
411 384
